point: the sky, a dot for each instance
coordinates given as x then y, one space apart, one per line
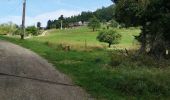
43 10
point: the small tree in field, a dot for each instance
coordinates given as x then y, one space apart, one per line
109 36
94 23
114 24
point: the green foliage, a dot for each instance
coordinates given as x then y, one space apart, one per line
104 14
114 1
39 25
129 12
114 24
32 30
49 24
110 37
153 17
85 16
8 28
18 31
94 23
61 18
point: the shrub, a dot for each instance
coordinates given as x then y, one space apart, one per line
32 30
8 28
114 24
116 59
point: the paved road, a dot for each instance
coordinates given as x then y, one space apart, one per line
26 76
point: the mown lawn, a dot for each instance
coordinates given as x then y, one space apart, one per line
103 74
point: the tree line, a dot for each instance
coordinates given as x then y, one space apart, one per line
104 15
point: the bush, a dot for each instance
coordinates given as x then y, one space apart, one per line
138 76
8 28
32 30
114 24
109 36
116 59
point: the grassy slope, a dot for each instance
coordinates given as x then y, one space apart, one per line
77 37
90 70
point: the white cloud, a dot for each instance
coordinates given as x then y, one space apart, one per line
43 18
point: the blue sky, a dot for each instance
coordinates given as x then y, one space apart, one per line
42 10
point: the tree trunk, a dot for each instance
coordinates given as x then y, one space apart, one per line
110 45
107 27
143 42
93 29
22 37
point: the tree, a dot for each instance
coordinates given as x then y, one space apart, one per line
49 24
109 36
115 1
39 25
104 22
105 13
131 13
86 16
94 23
153 18
18 31
114 24
32 30
61 17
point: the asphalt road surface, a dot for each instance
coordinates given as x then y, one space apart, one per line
26 76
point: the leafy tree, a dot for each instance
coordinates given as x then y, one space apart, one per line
105 13
109 36
39 25
94 23
114 24
104 22
57 24
32 30
49 24
153 17
85 16
61 17
18 31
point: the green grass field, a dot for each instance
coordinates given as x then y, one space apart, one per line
78 37
104 74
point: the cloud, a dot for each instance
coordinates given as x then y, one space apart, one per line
43 18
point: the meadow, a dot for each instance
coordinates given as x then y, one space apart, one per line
82 37
106 74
